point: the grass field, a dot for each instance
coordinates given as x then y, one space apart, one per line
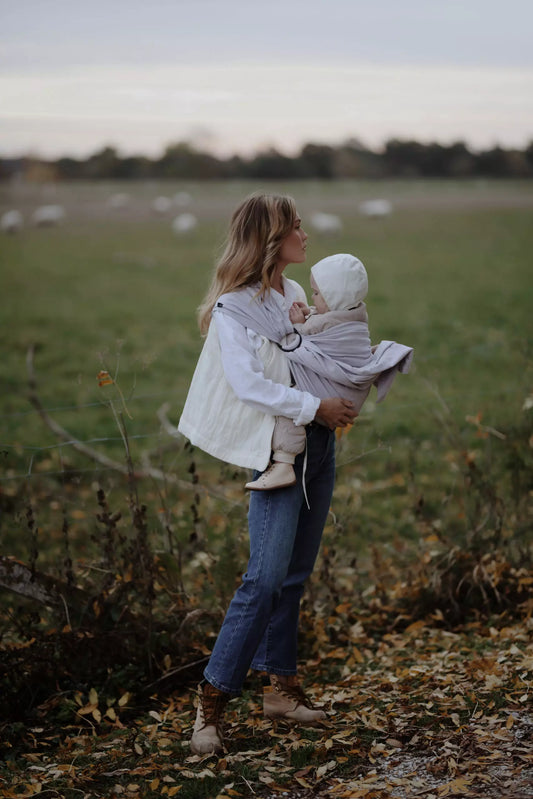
416 622
449 273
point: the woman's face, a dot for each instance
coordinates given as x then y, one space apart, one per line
293 246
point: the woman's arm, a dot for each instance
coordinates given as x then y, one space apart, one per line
244 372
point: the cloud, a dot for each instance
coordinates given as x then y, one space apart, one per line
247 105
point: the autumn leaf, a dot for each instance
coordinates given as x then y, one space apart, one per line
104 378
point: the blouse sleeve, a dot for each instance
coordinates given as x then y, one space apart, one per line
244 372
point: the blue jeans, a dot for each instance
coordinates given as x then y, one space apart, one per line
261 625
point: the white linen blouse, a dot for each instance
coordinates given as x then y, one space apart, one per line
241 383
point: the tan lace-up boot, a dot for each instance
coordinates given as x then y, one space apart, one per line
284 698
207 734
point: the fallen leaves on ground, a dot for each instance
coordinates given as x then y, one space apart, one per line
425 712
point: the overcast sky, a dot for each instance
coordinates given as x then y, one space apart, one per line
238 75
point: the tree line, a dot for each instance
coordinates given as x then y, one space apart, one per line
182 160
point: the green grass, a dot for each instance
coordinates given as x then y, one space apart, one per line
449 274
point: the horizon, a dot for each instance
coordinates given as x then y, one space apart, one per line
380 150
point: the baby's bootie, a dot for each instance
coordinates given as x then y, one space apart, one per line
278 475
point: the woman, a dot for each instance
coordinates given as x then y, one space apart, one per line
261 624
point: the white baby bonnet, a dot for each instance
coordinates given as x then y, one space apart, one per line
342 281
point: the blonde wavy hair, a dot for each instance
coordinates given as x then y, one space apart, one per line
257 230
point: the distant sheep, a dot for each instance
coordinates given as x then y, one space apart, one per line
48 215
184 223
119 200
11 222
325 223
375 208
162 205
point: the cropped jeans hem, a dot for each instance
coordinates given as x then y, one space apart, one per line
216 684
274 670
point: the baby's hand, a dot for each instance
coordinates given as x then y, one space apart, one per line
298 312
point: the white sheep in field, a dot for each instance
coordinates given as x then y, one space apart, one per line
48 215
184 223
162 205
375 208
11 222
325 223
119 200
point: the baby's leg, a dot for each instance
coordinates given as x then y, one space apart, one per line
288 440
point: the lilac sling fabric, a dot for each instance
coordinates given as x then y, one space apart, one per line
335 362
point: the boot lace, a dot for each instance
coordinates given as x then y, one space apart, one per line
212 709
293 692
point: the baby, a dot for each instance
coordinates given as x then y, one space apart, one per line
339 285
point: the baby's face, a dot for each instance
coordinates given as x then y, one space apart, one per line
317 299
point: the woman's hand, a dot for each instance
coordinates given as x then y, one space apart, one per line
298 312
336 412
